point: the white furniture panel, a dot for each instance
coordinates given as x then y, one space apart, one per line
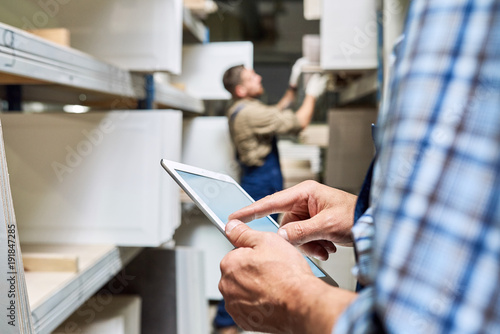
119 314
17 316
134 34
206 144
204 65
349 35
312 9
191 302
94 178
311 48
198 232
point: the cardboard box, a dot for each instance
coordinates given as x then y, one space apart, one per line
57 35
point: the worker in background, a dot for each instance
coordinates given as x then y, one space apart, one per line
254 126
427 236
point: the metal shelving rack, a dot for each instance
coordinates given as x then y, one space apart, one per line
171 97
26 59
36 69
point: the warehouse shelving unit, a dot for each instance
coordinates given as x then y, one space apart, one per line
168 96
26 59
34 69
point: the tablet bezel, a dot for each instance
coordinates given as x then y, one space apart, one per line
172 166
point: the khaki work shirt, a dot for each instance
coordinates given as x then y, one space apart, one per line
253 128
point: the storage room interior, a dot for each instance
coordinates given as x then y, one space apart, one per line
93 94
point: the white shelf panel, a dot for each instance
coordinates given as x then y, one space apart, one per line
142 36
110 189
54 296
312 9
31 57
203 66
349 42
167 95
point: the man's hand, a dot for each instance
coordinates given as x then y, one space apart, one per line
316 85
296 70
268 286
316 216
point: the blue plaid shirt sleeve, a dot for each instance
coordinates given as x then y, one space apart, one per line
431 238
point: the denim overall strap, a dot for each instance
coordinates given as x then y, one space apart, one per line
260 181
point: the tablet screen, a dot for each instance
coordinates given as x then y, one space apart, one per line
224 198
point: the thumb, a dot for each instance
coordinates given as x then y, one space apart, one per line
240 234
299 233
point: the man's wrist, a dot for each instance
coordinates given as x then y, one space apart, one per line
317 305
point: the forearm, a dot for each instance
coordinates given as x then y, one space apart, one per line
287 99
305 112
319 306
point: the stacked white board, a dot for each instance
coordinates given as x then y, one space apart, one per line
14 297
135 35
94 178
205 81
206 144
299 162
170 284
349 42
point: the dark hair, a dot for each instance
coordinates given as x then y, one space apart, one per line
232 78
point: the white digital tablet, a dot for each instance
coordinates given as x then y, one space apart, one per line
219 195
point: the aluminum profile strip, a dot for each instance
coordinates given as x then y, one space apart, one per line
58 75
19 40
167 95
30 56
13 54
